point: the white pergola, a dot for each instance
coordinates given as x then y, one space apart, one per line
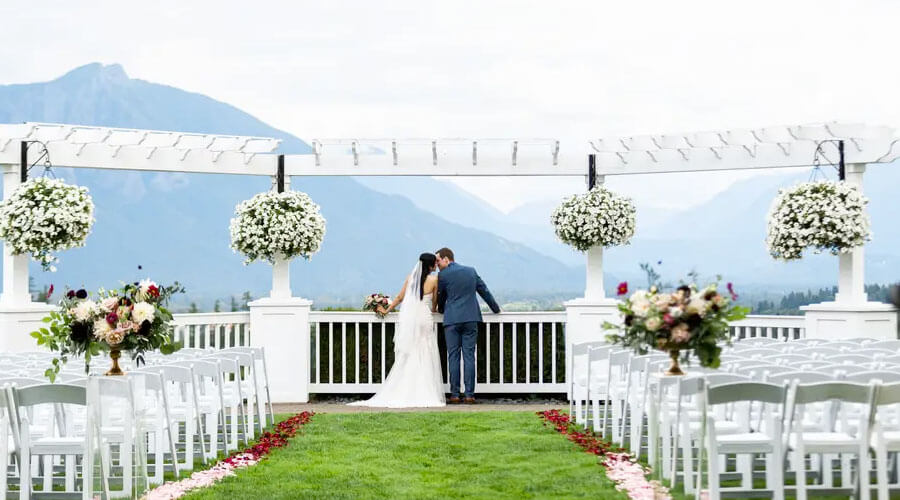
279 320
165 151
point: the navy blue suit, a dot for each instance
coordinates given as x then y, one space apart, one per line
457 286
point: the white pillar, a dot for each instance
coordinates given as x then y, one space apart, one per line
594 270
851 314
851 266
19 316
15 267
281 326
281 279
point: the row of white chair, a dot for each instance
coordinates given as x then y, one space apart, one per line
626 385
211 400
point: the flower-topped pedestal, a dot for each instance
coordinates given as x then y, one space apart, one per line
589 222
831 216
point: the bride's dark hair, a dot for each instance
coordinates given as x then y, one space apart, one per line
427 260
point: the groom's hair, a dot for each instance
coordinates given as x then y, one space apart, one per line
445 253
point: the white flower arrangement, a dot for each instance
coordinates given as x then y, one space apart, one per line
46 215
272 226
824 215
599 217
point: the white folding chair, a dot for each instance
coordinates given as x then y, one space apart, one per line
261 378
184 409
885 437
152 406
832 438
74 399
578 390
768 439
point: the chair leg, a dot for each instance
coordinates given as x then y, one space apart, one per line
881 473
865 474
800 463
712 473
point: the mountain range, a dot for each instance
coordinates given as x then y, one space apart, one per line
175 226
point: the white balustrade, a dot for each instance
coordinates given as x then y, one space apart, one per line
771 326
219 330
351 352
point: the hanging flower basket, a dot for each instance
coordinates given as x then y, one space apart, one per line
599 217
46 215
824 216
272 226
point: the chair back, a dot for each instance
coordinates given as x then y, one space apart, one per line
800 376
733 392
868 377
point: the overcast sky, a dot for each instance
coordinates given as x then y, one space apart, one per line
567 70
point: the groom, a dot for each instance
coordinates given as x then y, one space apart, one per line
456 287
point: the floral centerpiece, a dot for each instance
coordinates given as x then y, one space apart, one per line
825 215
272 226
46 215
598 218
377 303
133 318
686 319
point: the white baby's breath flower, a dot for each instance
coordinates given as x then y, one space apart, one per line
596 218
824 215
46 215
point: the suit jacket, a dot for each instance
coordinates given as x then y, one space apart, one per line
457 286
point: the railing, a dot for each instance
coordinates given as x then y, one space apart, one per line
778 327
219 330
516 352
352 352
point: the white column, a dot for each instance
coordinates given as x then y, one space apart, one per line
281 326
851 266
15 267
281 279
19 316
594 270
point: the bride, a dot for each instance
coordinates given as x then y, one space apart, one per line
415 379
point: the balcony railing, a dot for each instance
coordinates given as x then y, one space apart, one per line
351 352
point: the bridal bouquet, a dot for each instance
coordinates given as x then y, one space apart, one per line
132 318
686 319
378 303
824 215
46 215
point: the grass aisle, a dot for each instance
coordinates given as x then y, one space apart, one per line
422 455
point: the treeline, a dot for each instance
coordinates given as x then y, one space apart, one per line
234 304
790 303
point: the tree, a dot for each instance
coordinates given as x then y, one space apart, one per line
234 304
218 306
193 308
245 301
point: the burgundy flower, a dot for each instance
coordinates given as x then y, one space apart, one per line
112 318
50 291
153 291
81 294
731 291
70 294
668 319
622 289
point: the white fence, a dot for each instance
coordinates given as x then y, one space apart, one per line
516 352
351 352
220 330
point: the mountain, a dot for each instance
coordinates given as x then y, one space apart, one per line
175 226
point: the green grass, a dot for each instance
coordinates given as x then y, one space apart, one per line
420 456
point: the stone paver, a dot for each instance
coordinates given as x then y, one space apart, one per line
343 408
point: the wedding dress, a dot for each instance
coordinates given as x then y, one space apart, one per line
415 379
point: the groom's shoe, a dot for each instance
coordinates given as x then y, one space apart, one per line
454 400
469 401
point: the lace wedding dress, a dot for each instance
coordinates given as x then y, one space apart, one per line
415 379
